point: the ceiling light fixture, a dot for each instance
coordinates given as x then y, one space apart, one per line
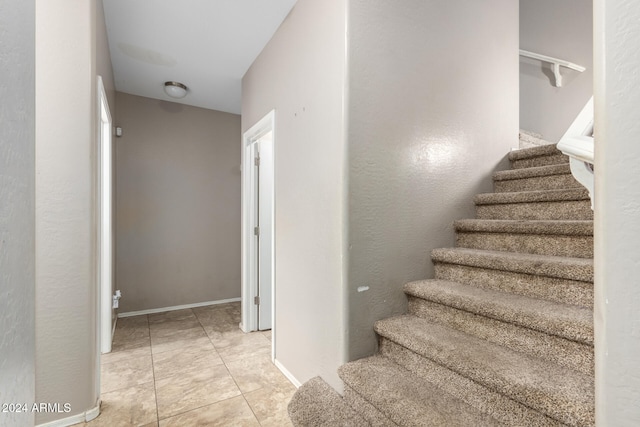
175 89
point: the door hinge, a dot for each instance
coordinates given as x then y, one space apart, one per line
256 300
256 231
257 161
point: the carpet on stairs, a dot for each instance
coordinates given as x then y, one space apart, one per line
503 335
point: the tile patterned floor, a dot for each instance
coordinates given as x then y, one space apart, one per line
191 367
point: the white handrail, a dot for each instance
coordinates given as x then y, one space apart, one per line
556 63
578 144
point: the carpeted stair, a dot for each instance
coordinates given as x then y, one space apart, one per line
504 333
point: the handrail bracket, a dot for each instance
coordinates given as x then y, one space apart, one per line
555 64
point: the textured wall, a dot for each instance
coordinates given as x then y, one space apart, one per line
301 73
177 204
426 130
66 359
17 229
562 29
617 210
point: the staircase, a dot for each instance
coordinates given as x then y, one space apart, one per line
502 336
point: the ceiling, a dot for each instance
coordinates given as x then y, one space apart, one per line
207 45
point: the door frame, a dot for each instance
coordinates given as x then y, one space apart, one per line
104 219
249 219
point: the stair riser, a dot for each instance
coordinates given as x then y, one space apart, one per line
500 407
541 244
564 352
562 210
552 289
366 410
554 159
553 182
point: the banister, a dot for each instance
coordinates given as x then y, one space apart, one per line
556 63
579 145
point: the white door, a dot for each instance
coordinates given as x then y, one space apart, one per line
265 227
258 227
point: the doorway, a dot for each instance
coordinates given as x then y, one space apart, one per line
258 202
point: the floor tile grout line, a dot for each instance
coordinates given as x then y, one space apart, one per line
211 321
241 392
153 372
251 408
126 387
224 362
199 407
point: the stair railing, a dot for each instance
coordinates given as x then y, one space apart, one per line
578 144
556 63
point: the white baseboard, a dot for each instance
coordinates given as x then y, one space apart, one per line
176 307
287 374
75 419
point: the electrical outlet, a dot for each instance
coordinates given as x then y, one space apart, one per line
116 299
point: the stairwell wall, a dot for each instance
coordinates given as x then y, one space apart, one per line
562 29
433 109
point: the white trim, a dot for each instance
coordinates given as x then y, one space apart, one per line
75 419
249 271
176 307
287 374
104 218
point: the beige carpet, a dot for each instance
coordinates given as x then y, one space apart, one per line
503 335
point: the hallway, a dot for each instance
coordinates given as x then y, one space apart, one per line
191 367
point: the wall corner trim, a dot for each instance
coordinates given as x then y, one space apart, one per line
75 419
287 374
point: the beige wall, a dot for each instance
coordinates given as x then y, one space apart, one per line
17 222
562 29
66 357
617 209
301 74
426 130
177 204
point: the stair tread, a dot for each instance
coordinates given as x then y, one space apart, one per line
562 320
527 153
532 196
560 227
407 399
537 171
563 394
316 404
580 269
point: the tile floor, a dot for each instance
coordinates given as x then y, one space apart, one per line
191 367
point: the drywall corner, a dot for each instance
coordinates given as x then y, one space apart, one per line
65 156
